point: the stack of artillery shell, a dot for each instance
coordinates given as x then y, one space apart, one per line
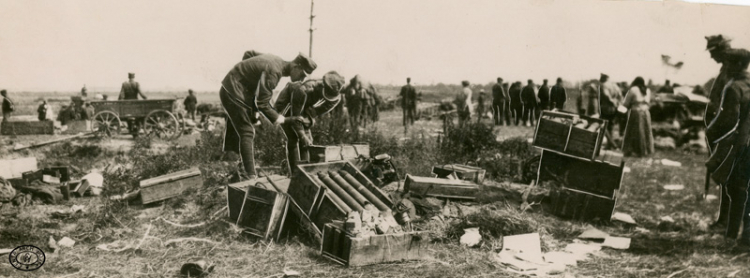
349 193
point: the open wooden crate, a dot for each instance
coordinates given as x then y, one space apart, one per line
584 189
556 132
27 128
320 154
345 249
463 172
259 208
169 185
441 188
305 189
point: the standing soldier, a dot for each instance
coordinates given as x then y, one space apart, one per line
558 96
530 105
246 90
499 99
718 47
44 111
544 97
609 99
408 103
8 106
463 104
516 104
480 105
190 104
84 92
131 90
306 101
729 131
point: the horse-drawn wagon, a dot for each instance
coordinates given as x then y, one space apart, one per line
156 117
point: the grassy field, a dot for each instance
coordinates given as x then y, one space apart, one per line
684 248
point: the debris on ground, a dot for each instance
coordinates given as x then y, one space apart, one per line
593 234
667 162
66 242
616 242
674 187
169 186
196 269
441 188
471 237
624 218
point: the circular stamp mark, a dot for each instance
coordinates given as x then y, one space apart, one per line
27 258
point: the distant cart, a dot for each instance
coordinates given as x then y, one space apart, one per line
157 117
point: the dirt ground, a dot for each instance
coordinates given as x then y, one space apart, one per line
684 247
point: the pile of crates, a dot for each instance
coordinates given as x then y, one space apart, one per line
582 187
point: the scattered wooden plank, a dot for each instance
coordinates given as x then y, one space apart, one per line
441 188
53 141
170 185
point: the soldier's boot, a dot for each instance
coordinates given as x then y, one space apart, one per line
721 222
736 210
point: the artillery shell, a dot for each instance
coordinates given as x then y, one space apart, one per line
362 189
340 192
332 195
349 189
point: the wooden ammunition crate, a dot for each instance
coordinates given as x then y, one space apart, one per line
320 154
170 185
594 177
259 208
579 205
355 251
565 138
27 128
464 172
310 196
441 188
75 127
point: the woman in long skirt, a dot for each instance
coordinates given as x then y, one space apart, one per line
638 139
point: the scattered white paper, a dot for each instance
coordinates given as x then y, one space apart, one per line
674 187
583 249
711 197
565 258
527 244
667 162
614 242
623 217
626 169
593 233
471 237
667 219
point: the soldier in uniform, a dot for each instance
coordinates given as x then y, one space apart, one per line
717 46
8 106
544 97
408 103
190 104
558 96
306 101
131 90
516 104
246 90
499 99
729 131
530 104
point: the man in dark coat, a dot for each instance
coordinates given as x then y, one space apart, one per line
246 90
544 97
729 131
190 104
530 104
130 90
718 47
8 106
516 104
558 96
408 103
499 99
667 88
306 101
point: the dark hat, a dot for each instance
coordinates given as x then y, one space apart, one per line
545 80
307 64
408 79
190 91
559 79
3 92
716 42
130 74
333 82
500 78
603 76
465 83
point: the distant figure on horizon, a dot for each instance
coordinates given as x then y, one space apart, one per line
609 99
558 96
639 139
131 89
480 105
44 111
190 104
84 92
8 106
530 104
544 97
408 103
516 104
499 100
667 88
463 104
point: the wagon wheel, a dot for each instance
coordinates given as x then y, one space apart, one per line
106 124
162 124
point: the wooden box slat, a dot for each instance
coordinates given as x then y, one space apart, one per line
170 185
236 193
441 188
566 138
344 249
595 177
578 205
27 127
464 172
320 154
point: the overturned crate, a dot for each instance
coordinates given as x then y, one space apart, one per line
462 172
441 188
572 134
259 207
170 185
581 189
323 200
348 250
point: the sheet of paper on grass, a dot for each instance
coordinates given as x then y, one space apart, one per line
623 217
593 234
526 246
615 242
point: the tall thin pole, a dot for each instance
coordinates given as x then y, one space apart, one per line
312 3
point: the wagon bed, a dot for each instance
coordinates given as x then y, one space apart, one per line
155 116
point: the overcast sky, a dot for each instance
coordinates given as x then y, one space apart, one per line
52 45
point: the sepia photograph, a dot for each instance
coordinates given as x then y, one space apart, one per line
361 138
